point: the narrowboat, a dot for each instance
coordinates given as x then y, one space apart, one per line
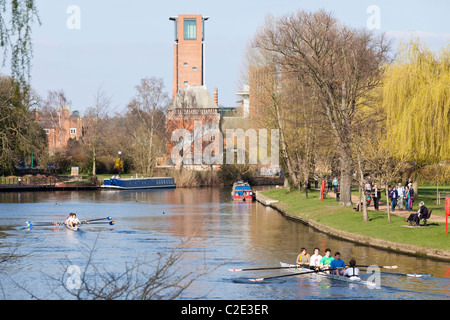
138 183
242 191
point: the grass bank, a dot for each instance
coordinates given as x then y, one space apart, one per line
331 214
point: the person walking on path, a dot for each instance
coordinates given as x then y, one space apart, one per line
411 197
407 198
394 196
335 185
401 194
376 199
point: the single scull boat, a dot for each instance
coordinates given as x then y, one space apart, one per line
75 228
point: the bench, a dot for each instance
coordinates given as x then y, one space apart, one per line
427 217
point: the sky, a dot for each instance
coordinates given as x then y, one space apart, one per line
83 46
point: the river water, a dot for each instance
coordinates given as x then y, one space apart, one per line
218 233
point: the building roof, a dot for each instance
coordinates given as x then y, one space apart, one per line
193 97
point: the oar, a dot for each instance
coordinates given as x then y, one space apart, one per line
107 218
261 269
383 267
282 276
291 275
104 222
43 224
412 275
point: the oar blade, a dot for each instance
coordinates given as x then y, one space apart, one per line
390 267
256 280
235 270
414 275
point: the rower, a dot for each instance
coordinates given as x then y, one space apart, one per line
72 220
315 259
337 264
352 270
326 260
303 258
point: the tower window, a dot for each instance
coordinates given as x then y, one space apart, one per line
190 29
73 131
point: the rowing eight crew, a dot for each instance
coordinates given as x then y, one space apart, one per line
316 261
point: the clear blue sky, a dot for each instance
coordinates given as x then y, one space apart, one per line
120 42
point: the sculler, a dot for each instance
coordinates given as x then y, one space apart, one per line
72 221
303 258
326 260
337 264
315 259
352 270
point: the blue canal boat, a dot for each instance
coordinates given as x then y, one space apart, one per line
138 183
242 192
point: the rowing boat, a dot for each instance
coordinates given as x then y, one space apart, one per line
75 228
353 279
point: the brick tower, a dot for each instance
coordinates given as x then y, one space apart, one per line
189 51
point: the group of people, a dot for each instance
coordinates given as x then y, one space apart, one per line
327 263
400 195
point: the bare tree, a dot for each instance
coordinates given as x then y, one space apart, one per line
146 123
162 276
93 124
53 110
340 64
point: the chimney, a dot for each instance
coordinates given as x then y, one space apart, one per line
216 96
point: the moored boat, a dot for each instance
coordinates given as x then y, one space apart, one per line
138 183
242 191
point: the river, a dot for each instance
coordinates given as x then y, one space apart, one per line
219 234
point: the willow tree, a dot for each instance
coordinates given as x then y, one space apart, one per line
416 99
338 64
16 20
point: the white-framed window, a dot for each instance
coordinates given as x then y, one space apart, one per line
73 131
47 131
186 83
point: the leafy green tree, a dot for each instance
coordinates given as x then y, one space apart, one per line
20 134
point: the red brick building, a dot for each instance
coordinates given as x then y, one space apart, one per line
191 101
60 127
188 51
